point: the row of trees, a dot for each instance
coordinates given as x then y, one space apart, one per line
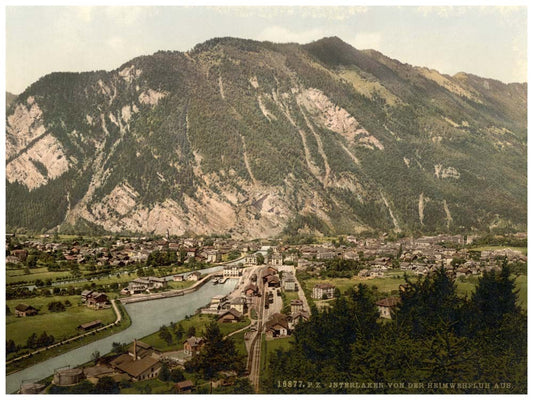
167 333
434 336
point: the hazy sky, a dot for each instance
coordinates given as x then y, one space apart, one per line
487 41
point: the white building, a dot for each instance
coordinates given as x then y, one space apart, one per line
323 289
289 282
232 271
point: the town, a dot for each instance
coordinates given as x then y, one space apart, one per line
64 293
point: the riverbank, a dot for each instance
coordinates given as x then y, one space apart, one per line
169 293
146 317
122 322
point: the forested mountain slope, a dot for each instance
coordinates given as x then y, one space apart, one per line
256 138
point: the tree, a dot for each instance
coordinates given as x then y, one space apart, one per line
260 259
95 356
179 332
106 385
430 303
165 334
242 386
164 373
118 348
56 306
218 354
11 347
494 297
176 375
31 261
31 342
191 331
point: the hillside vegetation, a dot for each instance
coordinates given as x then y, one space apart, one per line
259 139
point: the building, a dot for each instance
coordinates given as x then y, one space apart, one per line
140 363
251 259
191 252
251 290
178 278
289 282
24 310
194 276
230 316
20 254
323 290
193 345
97 300
297 317
68 376
276 259
184 387
32 388
140 285
239 304
386 306
90 325
277 326
273 281
296 305
216 302
232 271
213 256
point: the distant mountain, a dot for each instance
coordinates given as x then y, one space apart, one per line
10 97
256 139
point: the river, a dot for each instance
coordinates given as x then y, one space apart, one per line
147 317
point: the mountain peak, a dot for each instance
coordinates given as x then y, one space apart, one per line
256 139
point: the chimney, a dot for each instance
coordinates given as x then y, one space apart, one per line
134 349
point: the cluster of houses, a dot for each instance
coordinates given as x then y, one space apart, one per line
228 309
415 252
421 256
125 251
95 300
140 362
144 284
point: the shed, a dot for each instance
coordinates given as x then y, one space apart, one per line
90 325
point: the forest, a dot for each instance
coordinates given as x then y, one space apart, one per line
436 342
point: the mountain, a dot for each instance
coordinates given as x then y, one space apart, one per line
10 97
256 139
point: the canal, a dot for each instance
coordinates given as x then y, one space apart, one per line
147 317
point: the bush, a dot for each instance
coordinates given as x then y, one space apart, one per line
56 306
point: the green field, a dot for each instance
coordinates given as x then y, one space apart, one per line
18 275
385 285
60 325
180 285
393 278
199 321
56 351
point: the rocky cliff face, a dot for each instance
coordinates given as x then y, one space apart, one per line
257 138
